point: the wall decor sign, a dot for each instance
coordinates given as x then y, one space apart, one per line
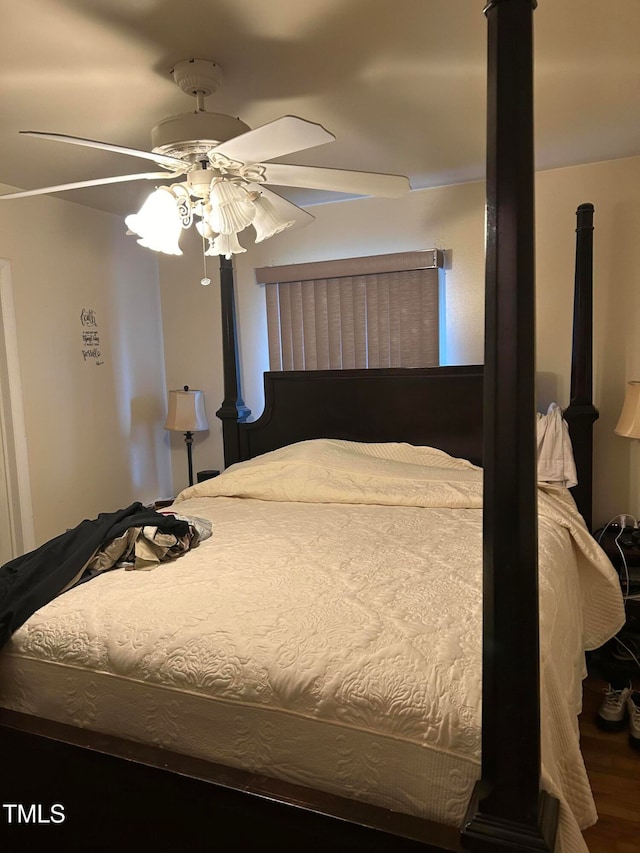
91 351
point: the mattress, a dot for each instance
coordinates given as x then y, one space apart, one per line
328 633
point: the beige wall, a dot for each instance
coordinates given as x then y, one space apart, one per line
94 432
193 352
450 218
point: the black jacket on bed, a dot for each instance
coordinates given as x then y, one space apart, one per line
32 580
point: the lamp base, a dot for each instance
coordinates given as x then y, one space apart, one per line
188 440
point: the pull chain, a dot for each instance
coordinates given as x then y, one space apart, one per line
205 279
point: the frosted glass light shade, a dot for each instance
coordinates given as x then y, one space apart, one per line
629 421
158 223
225 244
231 208
186 412
267 221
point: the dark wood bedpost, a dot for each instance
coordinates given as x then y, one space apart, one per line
232 411
581 414
507 810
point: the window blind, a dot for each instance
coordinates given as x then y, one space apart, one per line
373 315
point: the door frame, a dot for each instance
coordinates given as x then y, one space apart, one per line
14 458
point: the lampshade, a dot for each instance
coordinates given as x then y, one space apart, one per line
267 221
231 207
158 223
186 411
629 421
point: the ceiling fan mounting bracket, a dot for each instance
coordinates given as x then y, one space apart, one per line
197 77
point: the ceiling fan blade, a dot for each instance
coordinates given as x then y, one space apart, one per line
118 179
282 136
337 180
161 159
286 209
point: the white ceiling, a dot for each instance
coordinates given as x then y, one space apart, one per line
401 83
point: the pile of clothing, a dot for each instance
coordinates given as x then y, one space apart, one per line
134 538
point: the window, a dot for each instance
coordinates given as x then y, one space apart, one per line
379 311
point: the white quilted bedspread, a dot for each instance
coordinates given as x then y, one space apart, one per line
328 633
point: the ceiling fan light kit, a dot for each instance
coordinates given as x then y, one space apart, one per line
225 164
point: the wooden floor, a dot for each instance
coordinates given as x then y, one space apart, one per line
614 772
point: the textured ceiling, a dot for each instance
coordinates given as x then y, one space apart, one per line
401 84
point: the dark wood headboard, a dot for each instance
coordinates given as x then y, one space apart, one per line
440 406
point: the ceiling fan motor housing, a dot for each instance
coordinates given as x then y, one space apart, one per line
190 134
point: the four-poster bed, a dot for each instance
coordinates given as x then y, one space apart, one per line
115 788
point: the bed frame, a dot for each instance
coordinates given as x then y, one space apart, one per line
121 794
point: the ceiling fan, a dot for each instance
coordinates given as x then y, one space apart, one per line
226 171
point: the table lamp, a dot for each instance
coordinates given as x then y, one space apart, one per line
186 414
629 420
